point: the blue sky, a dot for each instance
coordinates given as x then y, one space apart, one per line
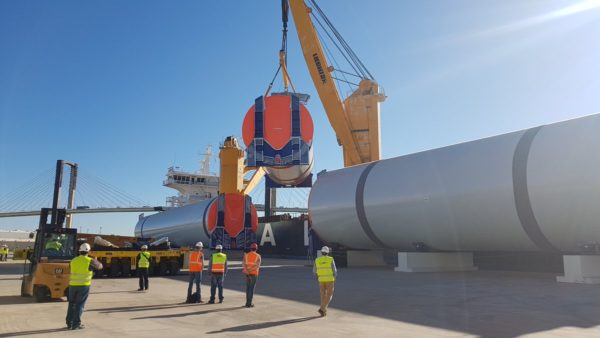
127 89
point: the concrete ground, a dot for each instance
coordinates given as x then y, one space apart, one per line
366 303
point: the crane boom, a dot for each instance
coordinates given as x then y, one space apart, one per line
356 120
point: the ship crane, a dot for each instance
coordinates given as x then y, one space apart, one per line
355 120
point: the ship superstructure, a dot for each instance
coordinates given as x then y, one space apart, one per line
193 187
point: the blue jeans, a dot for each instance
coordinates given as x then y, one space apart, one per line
250 284
77 297
143 274
195 277
216 281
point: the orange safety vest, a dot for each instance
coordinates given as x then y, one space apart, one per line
196 261
251 266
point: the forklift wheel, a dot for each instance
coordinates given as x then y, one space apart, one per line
23 293
41 293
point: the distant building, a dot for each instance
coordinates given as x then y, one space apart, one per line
16 239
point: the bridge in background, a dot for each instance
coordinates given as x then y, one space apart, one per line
259 207
95 196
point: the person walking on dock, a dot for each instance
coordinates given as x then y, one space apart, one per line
196 266
250 267
80 280
326 272
218 268
143 263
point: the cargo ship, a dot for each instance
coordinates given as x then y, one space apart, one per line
185 222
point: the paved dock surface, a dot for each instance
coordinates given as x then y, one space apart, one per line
367 303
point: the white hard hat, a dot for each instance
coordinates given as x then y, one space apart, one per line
325 249
219 247
144 247
199 245
85 247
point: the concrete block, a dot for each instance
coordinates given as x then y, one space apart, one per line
365 258
435 261
580 269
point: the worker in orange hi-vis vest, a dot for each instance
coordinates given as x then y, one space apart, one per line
250 267
196 266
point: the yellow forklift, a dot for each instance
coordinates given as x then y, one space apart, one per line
47 275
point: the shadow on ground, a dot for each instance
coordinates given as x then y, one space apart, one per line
265 325
32 332
194 313
483 303
142 308
15 299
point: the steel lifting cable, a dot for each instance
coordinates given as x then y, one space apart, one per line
330 56
316 19
363 69
284 19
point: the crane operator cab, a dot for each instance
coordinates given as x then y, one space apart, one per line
47 275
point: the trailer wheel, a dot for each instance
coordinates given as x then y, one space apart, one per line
115 268
41 293
162 268
125 268
173 268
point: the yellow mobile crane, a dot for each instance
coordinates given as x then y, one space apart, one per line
354 120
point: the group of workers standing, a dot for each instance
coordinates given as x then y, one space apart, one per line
217 269
82 268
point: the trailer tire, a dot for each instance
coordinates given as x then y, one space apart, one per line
126 268
41 293
115 268
163 268
173 268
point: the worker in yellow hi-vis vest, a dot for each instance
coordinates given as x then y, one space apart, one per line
4 253
326 272
217 267
143 264
80 280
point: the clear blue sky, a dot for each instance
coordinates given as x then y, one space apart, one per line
128 88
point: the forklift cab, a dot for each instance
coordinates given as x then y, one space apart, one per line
55 246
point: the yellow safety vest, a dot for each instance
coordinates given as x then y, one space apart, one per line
144 260
56 245
80 271
218 262
324 270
